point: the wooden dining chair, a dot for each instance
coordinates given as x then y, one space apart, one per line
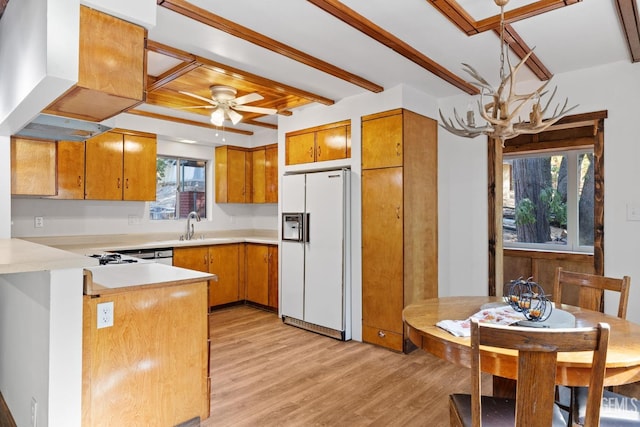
536 373
590 289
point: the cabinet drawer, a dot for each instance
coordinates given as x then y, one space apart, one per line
384 338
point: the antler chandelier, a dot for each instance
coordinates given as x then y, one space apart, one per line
503 110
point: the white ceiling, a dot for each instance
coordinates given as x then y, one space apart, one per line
578 36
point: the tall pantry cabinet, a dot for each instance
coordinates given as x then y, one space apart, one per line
399 221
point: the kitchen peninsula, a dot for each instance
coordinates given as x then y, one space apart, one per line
44 314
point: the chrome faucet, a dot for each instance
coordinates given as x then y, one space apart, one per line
190 229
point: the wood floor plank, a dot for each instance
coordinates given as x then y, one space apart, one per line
266 373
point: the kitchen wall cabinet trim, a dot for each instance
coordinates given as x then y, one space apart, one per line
399 221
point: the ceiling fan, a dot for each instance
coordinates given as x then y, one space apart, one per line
225 105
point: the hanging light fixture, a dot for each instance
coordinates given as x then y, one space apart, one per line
502 112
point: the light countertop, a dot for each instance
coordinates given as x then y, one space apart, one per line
116 278
21 256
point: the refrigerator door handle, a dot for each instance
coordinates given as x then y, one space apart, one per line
305 228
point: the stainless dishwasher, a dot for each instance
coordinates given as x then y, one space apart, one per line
159 255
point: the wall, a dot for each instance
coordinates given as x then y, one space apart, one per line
612 87
41 322
353 108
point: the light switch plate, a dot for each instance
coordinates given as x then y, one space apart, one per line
633 212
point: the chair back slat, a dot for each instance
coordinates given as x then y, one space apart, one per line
537 358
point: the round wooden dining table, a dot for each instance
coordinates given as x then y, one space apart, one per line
573 369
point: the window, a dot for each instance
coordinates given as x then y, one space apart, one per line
180 188
548 200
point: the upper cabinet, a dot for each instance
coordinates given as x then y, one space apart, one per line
33 167
70 170
319 144
112 65
120 166
246 175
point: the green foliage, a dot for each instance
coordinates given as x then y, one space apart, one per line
161 166
525 212
556 208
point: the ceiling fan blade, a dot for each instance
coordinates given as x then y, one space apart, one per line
246 99
202 98
197 106
259 110
235 117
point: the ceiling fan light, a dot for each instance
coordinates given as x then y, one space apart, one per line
217 117
234 116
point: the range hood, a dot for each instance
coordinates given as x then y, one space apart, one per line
58 128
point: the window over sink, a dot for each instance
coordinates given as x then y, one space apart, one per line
180 188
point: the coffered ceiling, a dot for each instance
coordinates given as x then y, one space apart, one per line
299 53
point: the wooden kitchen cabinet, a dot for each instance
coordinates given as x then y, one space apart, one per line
271 173
318 144
232 174
70 175
262 274
111 72
120 166
33 167
151 367
399 221
264 174
221 260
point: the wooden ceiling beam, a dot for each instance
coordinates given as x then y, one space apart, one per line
201 15
521 49
630 20
172 74
185 121
362 24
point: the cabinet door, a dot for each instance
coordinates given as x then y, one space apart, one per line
70 170
331 144
139 168
271 174
382 142
258 176
193 258
103 178
382 256
300 148
258 274
273 276
224 262
33 167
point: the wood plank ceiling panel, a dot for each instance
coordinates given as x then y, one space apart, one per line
630 20
201 15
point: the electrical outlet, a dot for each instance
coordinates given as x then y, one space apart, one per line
34 411
134 220
105 314
38 222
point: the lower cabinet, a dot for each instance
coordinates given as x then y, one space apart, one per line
233 263
152 366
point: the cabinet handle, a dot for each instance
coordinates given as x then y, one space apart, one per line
79 181
264 257
398 212
381 334
311 152
398 149
319 151
127 183
118 182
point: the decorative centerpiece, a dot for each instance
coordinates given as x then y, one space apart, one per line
528 297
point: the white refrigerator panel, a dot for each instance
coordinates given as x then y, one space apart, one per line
324 267
292 253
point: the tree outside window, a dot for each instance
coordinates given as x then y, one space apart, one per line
549 200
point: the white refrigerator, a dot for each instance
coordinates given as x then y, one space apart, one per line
315 251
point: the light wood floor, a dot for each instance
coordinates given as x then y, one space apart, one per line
266 373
